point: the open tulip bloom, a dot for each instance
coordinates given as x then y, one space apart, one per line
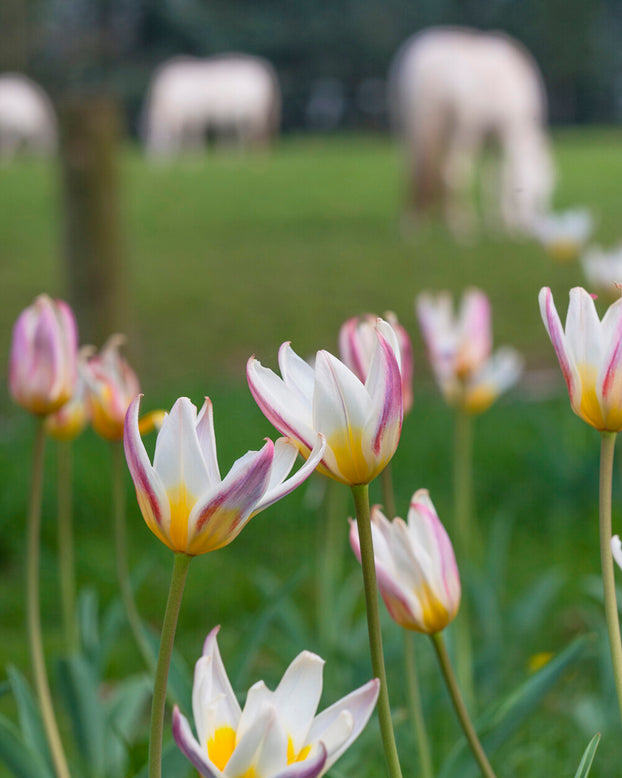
277 734
360 420
590 355
460 350
182 497
415 565
44 355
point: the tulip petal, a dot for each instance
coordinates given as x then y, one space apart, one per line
178 458
360 705
150 491
297 374
281 404
220 516
211 685
262 746
616 549
555 330
190 748
207 441
298 695
278 489
384 384
311 767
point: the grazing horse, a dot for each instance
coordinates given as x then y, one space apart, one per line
27 119
234 97
453 91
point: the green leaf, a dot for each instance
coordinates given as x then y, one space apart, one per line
588 757
21 760
30 721
78 686
504 718
124 715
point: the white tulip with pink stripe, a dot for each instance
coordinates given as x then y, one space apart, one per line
590 355
361 420
415 566
182 496
276 734
43 366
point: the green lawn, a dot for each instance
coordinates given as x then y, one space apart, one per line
231 257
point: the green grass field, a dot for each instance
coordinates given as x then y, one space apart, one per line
231 257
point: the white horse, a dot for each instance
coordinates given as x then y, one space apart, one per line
452 92
27 119
234 97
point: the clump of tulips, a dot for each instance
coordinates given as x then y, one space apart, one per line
343 417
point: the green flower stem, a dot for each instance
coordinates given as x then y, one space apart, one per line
415 707
158 705
459 706
607 447
465 547
331 538
33 608
363 520
64 496
123 570
388 494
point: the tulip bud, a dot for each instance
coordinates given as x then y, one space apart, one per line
415 566
43 361
112 386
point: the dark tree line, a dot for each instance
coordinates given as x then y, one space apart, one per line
115 44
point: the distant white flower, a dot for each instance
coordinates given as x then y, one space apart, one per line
603 270
564 234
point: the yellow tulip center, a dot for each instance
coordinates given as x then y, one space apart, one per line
347 448
181 502
434 615
479 399
220 746
564 249
291 753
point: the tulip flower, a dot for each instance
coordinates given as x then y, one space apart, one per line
44 352
112 386
416 567
616 550
603 270
183 499
357 340
460 349
590 355
564 234
360 420
71 418
277 734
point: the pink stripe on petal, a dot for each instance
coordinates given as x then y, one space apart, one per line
216 520
189 746
258 378
386 382
289 484
145 478
555 330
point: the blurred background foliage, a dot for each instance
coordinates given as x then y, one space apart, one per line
67 44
